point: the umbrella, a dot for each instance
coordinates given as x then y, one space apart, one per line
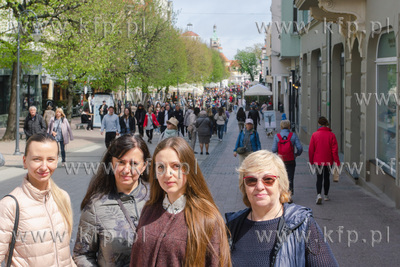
258 90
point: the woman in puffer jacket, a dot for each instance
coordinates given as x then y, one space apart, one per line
45 215
112 205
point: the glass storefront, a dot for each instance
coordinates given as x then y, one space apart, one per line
386 99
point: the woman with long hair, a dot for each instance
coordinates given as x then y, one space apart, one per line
112 205
127 122
60 129
180 224
150 122
44 211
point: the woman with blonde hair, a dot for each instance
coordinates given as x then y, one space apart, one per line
60 129
180 224
285 234
41 210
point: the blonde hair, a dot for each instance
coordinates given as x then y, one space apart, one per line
61 111
261 161
63 203
285 124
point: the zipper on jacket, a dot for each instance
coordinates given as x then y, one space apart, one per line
52 227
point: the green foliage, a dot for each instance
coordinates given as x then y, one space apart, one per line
247 62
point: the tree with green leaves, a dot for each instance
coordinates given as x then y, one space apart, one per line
247 62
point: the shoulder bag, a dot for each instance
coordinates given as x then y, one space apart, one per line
14 233
243 149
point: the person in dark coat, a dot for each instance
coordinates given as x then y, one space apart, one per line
103 109
178 114
127 122
255 116
34 123
86 117
140 114
163 116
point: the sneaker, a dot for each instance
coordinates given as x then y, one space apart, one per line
201 153
319 199
196 152
63 164
326 198
207 153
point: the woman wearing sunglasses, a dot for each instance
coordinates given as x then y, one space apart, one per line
271 232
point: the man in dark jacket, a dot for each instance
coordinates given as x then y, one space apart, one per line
163 116
255 116
140 114
103 110
178 114
34 123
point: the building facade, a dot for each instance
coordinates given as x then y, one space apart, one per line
349 74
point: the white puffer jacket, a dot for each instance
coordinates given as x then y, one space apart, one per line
42 238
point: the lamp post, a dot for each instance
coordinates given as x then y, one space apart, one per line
36 36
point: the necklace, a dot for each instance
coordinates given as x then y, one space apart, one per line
251 213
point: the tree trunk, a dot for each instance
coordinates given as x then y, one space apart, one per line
70 95
12 111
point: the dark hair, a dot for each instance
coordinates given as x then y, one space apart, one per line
220 111
41 138
241 112
130 112
111 107
103 182
323 121
140 106
196 111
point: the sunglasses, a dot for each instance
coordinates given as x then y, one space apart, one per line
267 180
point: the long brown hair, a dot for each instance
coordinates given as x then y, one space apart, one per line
103 182
201 214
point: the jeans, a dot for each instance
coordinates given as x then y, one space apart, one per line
140 127
323 177
62 148
220 129
226 126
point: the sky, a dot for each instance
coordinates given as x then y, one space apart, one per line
235 21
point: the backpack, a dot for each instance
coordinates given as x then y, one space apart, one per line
285 148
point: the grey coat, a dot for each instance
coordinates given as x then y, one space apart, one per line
105 237
203 125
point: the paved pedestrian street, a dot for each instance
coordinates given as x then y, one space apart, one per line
361 228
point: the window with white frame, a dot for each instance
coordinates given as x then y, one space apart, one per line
386 100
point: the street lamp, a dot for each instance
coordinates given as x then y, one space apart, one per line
36 37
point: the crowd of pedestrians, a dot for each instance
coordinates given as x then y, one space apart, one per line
160 212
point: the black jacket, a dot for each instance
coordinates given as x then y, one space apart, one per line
132 125
140 114
178 114
34 125
254 115
105 109
161 116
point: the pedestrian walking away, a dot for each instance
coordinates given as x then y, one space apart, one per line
34 123
203 126
38 207
220 119
110 124
241 118
227 119
264 185
59 128
180 212
284 144
178 114
111 208
247 142
48 114
192 130
323 154
255 116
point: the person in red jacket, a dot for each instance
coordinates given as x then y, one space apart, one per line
150 122
323 152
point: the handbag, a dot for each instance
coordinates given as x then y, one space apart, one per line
243 149
335 175
14 233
